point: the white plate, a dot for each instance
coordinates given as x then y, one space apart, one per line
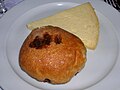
99 62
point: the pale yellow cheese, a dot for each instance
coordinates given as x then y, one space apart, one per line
80 20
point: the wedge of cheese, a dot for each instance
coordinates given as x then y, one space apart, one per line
80 20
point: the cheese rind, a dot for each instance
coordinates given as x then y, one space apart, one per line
80 20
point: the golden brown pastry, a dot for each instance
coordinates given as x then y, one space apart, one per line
51 54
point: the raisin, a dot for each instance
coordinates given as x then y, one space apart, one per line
40 42
58 39
47 39
47 80
37 43
76 73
